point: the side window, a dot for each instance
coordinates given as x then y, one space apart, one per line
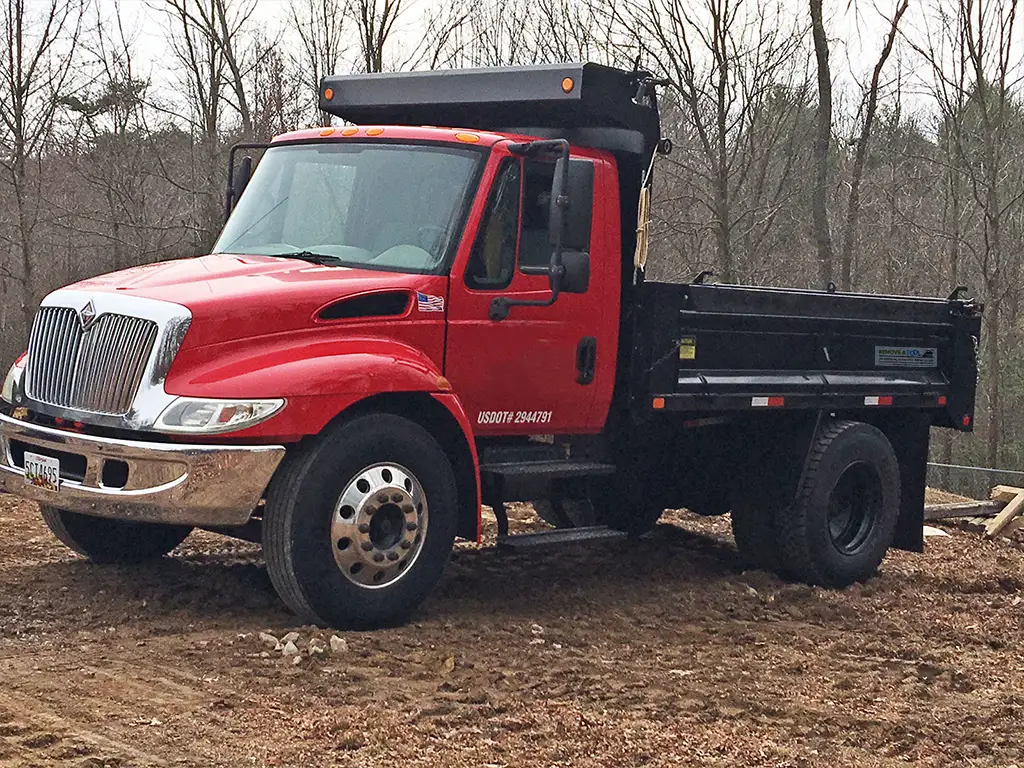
494 254
534 248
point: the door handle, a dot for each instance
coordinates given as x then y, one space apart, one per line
586 360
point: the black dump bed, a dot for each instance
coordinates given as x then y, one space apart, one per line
715 348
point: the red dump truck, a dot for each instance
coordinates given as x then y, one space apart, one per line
401 323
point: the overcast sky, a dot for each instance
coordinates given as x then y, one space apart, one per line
856 32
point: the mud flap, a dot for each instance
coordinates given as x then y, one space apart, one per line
909 434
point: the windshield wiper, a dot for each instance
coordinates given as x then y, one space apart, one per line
310 256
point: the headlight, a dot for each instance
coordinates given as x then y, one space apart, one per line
200 416
14 382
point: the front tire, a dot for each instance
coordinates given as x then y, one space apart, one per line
843 519
358 526
103 540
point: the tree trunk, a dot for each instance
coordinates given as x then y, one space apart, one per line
822 139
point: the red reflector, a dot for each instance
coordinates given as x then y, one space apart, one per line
885 400
79 425
58 420
942 400
767 402
967 421
776 402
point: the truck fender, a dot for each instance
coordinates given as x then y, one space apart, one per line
357 367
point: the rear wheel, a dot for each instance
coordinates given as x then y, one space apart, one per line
103 540
843 519
359 525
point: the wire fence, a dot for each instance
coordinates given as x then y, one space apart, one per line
969 481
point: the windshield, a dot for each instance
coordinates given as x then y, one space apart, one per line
377 206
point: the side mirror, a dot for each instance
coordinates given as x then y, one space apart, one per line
238 178
558 205
573 219
241 180
576 274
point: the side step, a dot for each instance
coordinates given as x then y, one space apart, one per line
546 470
529 541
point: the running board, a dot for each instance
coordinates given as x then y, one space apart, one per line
547 470
528 541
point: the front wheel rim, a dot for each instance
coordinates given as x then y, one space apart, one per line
379 525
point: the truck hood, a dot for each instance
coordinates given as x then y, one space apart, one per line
238 296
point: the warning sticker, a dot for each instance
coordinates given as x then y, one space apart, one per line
688 348
906 357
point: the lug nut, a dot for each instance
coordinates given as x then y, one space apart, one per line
396 497
405 544
392 555
382 498
379 557
364 527
367 546
411 526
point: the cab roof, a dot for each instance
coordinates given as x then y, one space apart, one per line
403 132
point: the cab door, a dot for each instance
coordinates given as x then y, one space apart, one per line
533 372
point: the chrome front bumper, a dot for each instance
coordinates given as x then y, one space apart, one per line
202 485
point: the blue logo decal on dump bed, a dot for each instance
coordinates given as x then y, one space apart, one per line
906 357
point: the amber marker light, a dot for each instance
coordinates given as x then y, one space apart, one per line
328 93
326 131
374 131
469 138
659 402
350 131
568 84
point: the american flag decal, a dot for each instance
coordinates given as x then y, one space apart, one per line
427 303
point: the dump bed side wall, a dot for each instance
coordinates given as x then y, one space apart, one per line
715 348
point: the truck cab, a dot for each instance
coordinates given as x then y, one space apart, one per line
400 323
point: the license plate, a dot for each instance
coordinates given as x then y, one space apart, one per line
42 471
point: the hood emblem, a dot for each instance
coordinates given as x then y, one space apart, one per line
87 315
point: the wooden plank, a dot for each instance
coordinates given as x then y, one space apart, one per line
1015 525
962 509
1005 493
1010 511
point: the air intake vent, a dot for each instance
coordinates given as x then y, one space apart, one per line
384 304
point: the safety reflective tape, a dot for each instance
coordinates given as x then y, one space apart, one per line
878 400
767 402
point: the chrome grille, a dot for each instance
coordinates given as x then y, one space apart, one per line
97 370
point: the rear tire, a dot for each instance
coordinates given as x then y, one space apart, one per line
842 522
345 499
103 540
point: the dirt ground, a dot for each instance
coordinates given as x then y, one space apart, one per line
655 652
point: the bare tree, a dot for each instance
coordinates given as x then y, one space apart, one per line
973 60
869 108
725 61
39 44
320 26
375 21
822 140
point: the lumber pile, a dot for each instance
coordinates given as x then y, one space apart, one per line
1000 515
